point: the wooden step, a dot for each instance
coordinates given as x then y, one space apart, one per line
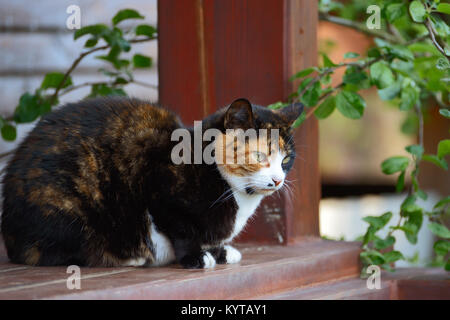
403 284
263 270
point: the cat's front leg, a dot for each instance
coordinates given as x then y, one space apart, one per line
226 254
191 256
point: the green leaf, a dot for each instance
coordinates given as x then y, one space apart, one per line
409 204
394 164
443 148
381 75
408 98
104 90
422 194
390 92
354 77
441 247
326 108
95 30
373 52
54 79
92 42
401 52
145 30
312 94
372 257
369 235
28 109
441 163
9 132
395 11
299 120
445 113
412 226
327 63
303 85
350 55
442 202
442 64
417 11
410 125
393 256
381 244
443 7
380 221
447 265
141 61
302 73
400 185
276 105
439 230
350 104
126 14
416 150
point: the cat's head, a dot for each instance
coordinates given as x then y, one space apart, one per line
256 151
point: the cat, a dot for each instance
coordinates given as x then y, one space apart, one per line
93 184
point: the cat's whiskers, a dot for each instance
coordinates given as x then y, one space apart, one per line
229 193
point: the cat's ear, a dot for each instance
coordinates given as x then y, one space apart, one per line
291 112
239 115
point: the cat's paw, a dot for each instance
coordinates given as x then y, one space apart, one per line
203 261
232 255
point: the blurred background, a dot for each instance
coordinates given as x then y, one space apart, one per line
34 40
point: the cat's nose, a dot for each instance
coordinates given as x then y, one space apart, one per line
276 181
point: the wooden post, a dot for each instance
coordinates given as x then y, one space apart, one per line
213 51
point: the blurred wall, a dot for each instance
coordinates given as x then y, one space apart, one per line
34 40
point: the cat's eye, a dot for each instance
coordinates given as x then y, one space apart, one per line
286 160
259 156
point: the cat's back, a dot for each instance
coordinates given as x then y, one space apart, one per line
82 148
105 125
108 118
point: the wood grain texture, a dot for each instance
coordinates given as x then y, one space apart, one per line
244 48
302 212
263 270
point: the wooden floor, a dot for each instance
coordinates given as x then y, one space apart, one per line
263 270
316 269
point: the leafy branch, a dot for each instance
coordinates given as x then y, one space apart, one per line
56 84
407 65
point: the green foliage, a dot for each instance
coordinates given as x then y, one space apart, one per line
410 68
417 11
126 14
101 38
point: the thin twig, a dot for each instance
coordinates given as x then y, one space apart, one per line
78 60
6 154
433 38
81 85
361 27
144 84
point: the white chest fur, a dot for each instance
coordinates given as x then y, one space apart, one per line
247 205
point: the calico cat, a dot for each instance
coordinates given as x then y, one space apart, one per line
94 184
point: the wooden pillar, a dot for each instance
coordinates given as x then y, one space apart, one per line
214 51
